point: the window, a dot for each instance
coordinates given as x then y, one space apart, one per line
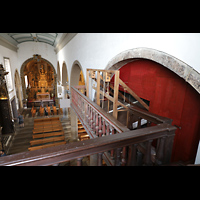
8 76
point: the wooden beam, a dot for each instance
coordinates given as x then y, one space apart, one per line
110 98
133 94
116 91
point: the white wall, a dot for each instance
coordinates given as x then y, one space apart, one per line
95 50
27 49
12 55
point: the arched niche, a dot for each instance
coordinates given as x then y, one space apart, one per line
64 75
77 76
58 73
24 65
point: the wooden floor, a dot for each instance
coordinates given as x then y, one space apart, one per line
23 136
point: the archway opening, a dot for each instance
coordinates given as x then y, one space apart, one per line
65 82
77 77
38 81
170 96
58 73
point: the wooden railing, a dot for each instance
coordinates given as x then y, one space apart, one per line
77 150
98 123
111 140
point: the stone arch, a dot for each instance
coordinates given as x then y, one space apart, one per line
23 80
177 66
75 73
58 73
74 81
64 74
18 89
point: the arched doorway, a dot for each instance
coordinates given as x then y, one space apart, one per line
76 78
18 89
65 82
58 73
39 79
169 94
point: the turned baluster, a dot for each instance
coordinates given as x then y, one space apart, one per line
86 112
91 117
79 161
99 159
160 151
139 123
94 115
112 151
132 155
100 126
147 158
107 128
168 147
97 125
104 128
117 157
124 156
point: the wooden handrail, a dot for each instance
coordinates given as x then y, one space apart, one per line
63 153
93 119
114 122
99 123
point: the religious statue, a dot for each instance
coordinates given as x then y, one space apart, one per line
42 70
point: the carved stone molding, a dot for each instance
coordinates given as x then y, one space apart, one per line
177 66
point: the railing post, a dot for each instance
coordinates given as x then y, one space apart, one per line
168 148
117 157
116 91
100 126
79 161
99 159
97 125
132 155
147 157
160 151
104 127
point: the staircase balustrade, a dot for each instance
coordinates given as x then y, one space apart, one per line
109 139
98 123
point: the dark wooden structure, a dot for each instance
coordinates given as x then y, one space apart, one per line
112 141
5 110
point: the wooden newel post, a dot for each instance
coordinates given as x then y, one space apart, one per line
147 157
116 91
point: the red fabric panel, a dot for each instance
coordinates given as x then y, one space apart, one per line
169 96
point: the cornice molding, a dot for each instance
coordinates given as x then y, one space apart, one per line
5 43
65 39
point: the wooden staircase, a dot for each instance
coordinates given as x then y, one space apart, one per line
47 132
82 134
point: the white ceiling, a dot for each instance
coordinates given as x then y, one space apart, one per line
57 40
17 38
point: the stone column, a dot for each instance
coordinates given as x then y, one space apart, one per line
74 125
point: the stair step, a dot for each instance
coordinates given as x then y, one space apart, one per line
23 136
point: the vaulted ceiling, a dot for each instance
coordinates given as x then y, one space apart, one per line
48 38
57 40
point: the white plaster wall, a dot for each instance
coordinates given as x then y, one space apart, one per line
12 55
28 49
95 50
